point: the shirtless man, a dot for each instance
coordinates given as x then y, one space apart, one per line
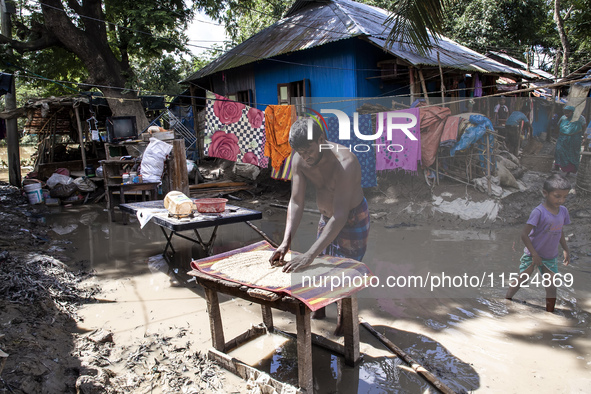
336 174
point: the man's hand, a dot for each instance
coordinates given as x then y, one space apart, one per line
278 257
298 262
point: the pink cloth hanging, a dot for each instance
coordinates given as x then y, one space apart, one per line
410 154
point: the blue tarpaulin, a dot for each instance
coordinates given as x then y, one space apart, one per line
474 135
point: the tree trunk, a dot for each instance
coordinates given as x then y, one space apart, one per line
91 46
563 38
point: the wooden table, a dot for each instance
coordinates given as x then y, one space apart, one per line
269 300
232 214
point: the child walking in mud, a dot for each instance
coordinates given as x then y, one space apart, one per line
541 236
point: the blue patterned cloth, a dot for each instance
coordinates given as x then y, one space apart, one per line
367 160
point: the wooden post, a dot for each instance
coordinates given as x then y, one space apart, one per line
304 347
351 330
411 73
267 317
442 87
82 150
195 122
179 177
215 319
423 86
437 166
52 137
487 135
12 137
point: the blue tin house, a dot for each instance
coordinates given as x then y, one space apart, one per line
335 48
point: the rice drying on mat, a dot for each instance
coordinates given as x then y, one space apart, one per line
254 268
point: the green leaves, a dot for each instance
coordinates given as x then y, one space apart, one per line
414 22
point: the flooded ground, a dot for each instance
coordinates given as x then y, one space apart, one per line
25 153
470 337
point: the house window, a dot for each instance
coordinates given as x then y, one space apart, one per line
294 93
242 96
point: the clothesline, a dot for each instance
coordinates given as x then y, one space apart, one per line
231 134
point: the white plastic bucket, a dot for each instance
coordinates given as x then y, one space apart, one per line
34 193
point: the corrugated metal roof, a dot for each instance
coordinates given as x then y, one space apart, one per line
451 54
533 73
313 23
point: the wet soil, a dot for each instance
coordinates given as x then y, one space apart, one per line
90 305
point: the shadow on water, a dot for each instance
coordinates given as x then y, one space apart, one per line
118 251
386 374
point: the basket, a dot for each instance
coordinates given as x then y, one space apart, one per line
210 205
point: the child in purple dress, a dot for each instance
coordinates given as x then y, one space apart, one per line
541 236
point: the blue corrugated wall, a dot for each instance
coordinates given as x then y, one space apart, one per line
331 73
335 70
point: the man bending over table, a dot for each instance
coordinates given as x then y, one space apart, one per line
335 173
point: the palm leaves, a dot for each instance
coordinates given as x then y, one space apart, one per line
414 22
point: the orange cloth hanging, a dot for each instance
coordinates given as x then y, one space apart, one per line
278 121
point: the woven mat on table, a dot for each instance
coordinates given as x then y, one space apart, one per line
317 293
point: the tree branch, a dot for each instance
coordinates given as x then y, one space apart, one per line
567 15
45 41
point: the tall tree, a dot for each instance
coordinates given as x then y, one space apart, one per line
244 20
499 24
563 38
105 36
579 33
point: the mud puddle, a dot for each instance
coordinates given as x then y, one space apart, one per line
472 339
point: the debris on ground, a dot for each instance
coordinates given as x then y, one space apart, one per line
41 347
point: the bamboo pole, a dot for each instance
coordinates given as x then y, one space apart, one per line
552 85
454 178
262 234
82 150
488 163
441 77
418 368
437 167
412 84
305 209
423 86
217 184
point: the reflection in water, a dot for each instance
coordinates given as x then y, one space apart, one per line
331 375
484 326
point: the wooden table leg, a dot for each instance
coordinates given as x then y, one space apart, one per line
267 317
351 330
304 347
122 200
215 320
111 203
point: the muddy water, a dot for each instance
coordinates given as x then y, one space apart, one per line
25 153
471 338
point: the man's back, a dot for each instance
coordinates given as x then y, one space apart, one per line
336 166
516 118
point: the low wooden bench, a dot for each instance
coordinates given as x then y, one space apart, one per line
271 300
